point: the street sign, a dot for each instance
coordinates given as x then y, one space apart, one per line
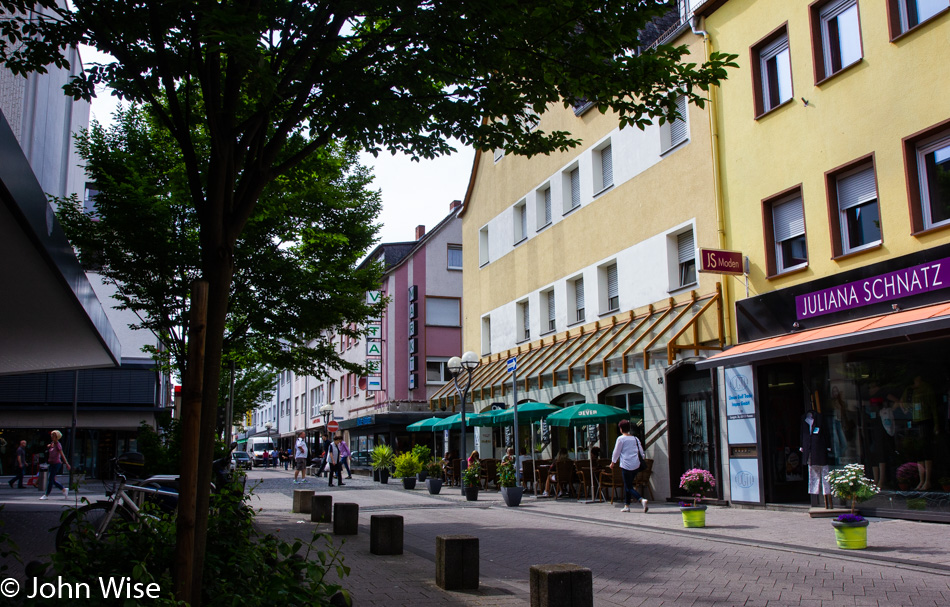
374 348
374 383
716 261
511 364
333 426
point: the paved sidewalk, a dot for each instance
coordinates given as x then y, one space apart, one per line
744 557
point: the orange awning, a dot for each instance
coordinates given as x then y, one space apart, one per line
905 323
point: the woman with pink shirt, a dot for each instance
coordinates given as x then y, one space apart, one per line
56 460
345 458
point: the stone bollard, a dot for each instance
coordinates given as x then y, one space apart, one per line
456 562
561 585
385 534
346 519
302 499
321 508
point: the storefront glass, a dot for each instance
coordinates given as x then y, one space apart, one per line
885 408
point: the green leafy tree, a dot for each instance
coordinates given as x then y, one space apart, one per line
271 83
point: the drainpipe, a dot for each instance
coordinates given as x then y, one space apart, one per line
697 24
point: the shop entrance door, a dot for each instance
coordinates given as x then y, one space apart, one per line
693 427
783 402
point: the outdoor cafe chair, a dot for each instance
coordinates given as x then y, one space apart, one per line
611 479
564 473
642 482
528 475
489 472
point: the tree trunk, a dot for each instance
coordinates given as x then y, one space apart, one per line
191 424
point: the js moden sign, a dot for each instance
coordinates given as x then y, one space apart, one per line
716 261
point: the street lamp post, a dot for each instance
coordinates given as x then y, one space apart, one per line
327 412
468 362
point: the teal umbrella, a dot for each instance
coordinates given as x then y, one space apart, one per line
424 425
587 414
452 422
486 418
528 413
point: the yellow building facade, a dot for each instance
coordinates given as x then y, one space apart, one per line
583 267
834 151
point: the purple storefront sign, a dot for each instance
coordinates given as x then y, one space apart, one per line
893 285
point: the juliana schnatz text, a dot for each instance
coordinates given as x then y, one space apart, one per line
109 588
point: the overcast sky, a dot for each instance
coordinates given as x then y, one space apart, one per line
414 193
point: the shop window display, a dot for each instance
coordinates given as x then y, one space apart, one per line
888 410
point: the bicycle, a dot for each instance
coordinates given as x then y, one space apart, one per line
100 515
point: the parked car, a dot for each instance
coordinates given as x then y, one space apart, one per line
240 459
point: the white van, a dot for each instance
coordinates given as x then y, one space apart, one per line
256 446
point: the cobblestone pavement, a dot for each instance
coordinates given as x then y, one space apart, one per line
743 557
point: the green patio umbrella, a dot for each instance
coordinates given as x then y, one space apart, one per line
426 425
454 422
587 414
528 413
487 418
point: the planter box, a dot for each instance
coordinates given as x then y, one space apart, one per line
694 516
851 536
434 485
512 495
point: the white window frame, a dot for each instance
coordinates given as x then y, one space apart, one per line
486 334
862 201
524 321
675 133
685 257
788 223
520 225
549 300
544 212
930 146
448 256
572 193
576 297
775 51
445 376
832 11
612 288
603 170
483 244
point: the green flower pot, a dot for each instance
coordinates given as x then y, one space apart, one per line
851 536
694 516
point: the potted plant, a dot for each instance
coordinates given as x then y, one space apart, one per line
381 459
945 483
407 466
422 455
850 484
697 483
907 476
434 480
507 478
470 481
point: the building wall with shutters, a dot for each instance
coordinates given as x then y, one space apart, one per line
896 90
633 220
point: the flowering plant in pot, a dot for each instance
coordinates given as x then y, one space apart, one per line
470 481
697 483
850 484
508 480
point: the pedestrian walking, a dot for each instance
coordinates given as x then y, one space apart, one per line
345 457
325 462
300 459
334 457
20 465
265 458
628 453
56 460
288 457
273 458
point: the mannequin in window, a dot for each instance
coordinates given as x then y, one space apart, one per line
920 400
816 451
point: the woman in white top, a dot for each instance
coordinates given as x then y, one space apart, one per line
628 452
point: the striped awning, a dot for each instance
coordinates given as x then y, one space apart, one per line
607 347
